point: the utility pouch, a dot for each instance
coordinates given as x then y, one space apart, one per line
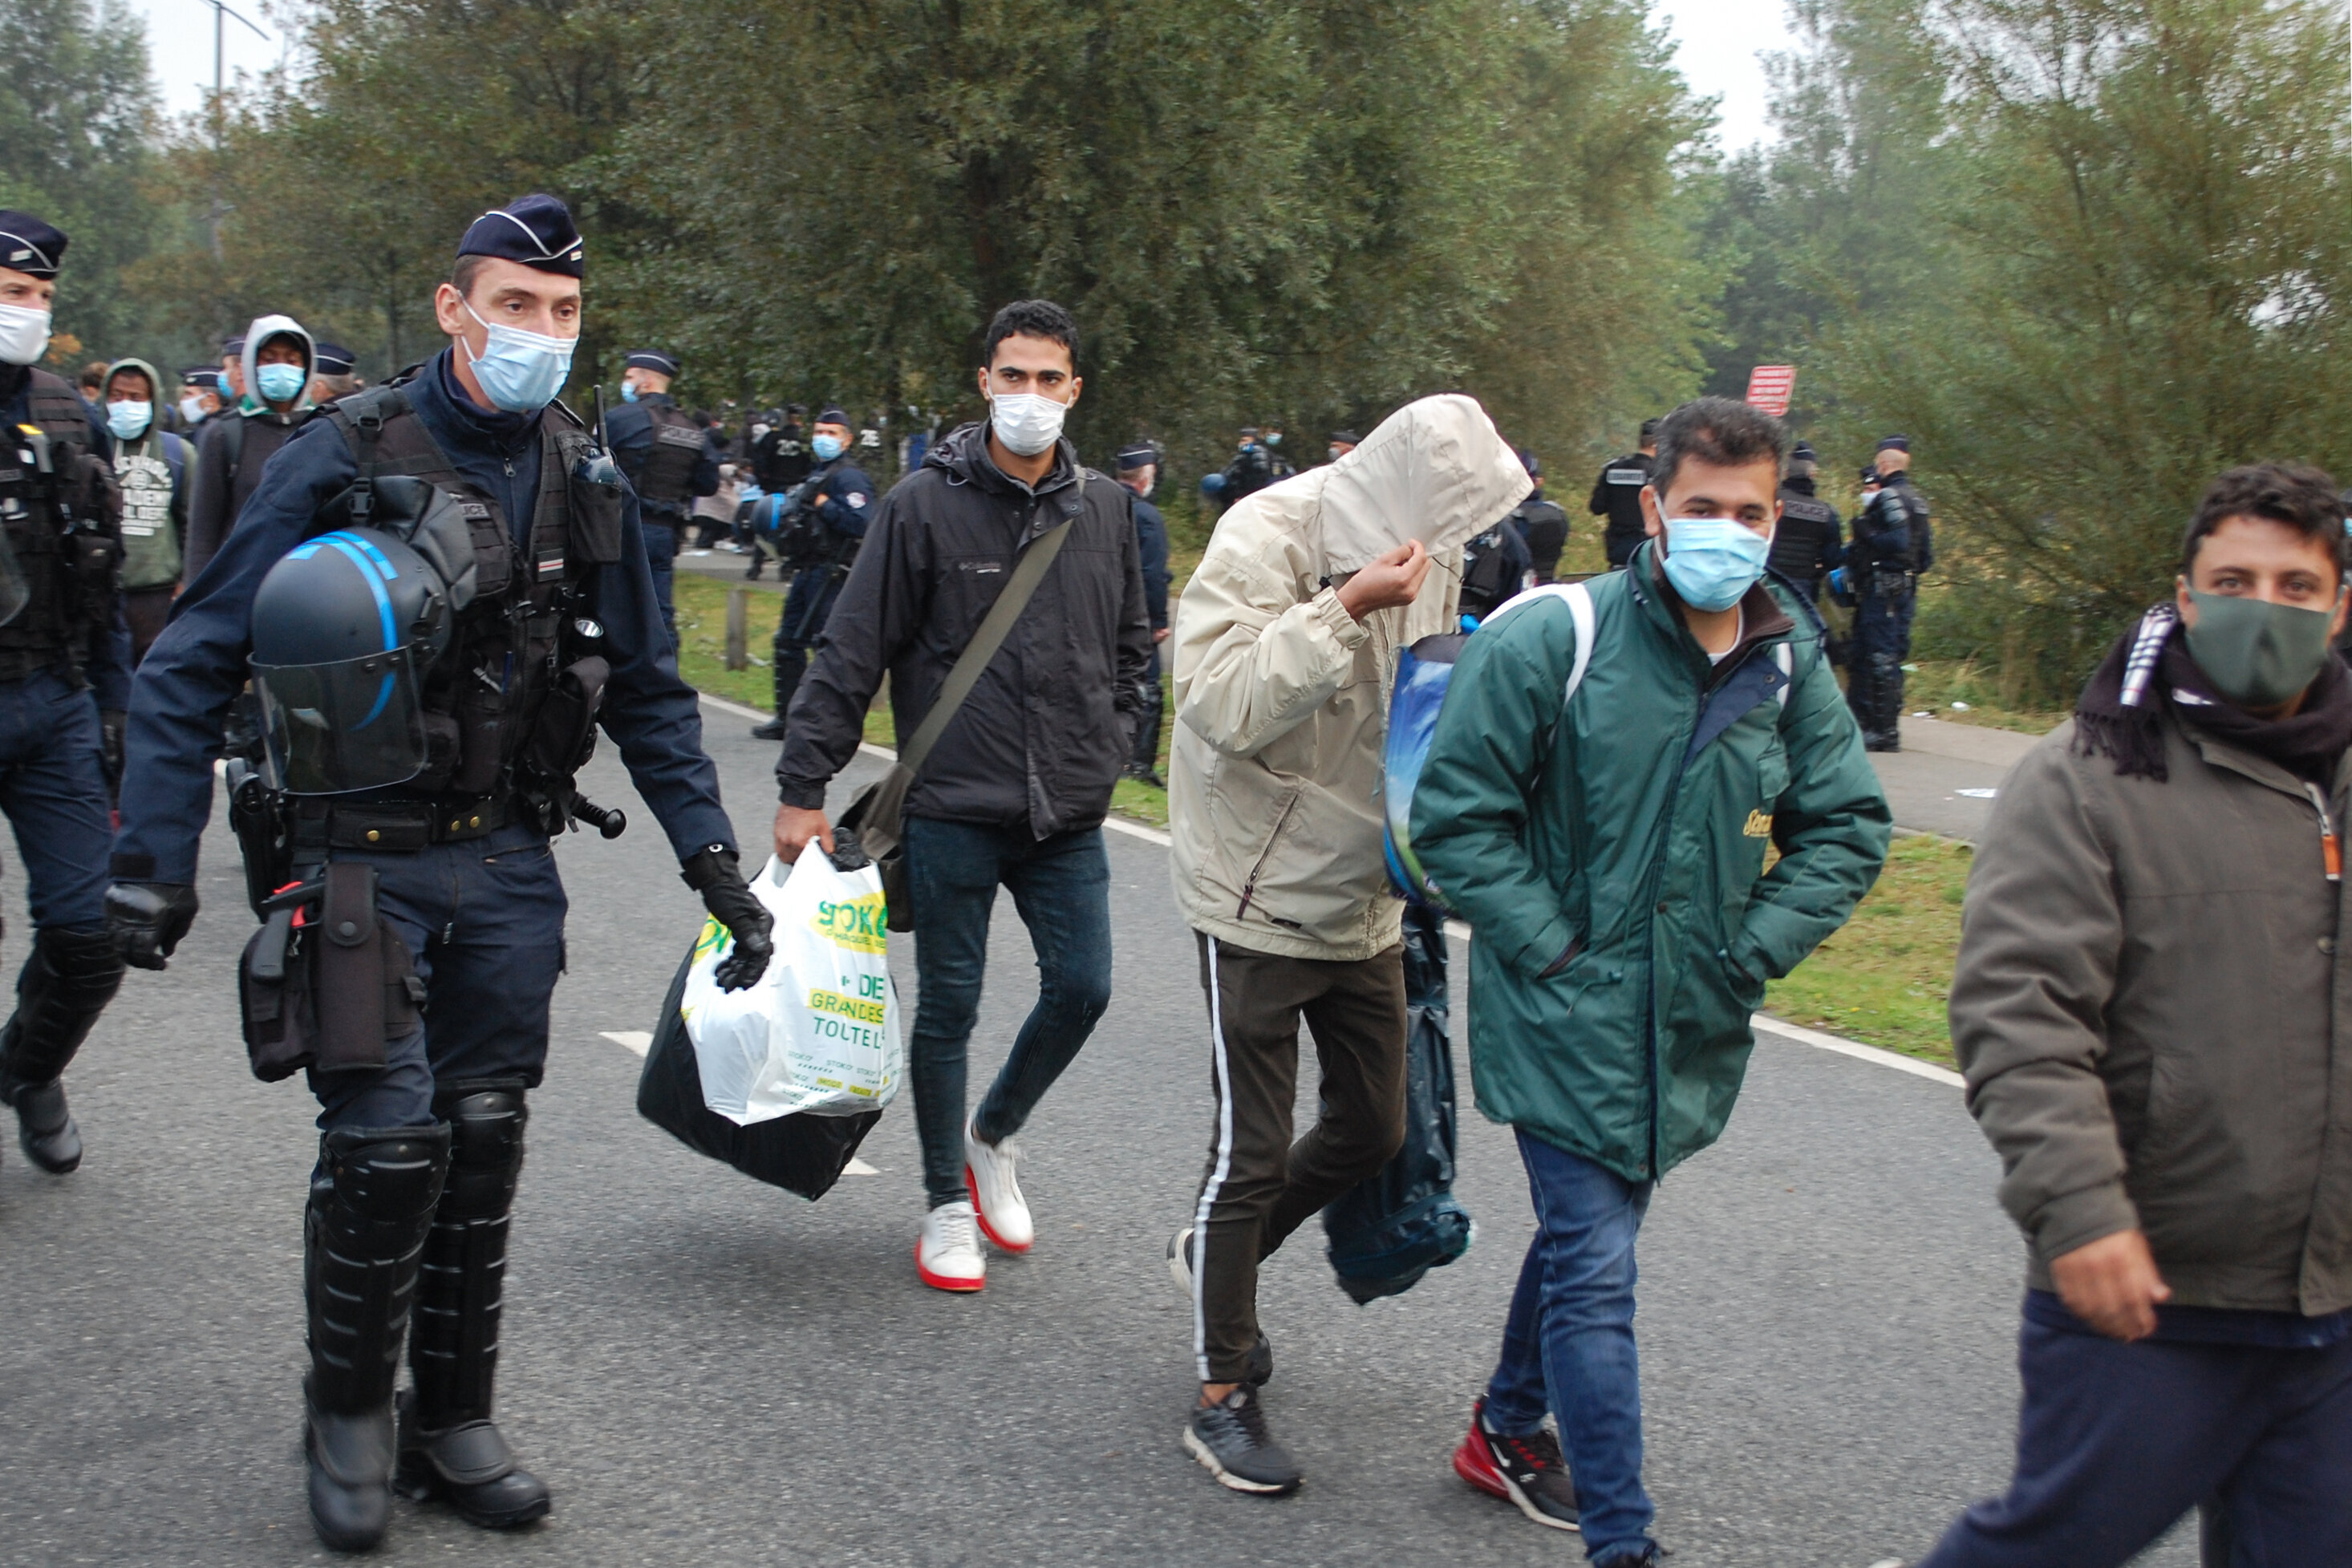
482 723
326 985
598 495
442 743
565 735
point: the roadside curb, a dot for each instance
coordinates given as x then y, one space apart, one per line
1794 1033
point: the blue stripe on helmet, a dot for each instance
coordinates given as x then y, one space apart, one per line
353 548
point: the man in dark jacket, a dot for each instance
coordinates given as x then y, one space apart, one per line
669 460
1810 542
1138 470
829 511
1617 496
1015 791
275 365
2152 1011
1893 546
1542 525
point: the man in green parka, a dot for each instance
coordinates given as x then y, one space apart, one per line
1609 856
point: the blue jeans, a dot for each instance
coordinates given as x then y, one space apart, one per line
1061 888
2116 1441
54 793
1569 1345
484 923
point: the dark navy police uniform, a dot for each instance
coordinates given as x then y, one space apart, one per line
65 655
669 461
838 499
1892 544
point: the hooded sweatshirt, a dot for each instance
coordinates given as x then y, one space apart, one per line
235 446
1282 696
153 469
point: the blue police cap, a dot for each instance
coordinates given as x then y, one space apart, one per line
331 360
233 346
204 378
1139 455
1896 443
536 231
1531 463
29 246
831 414
653 360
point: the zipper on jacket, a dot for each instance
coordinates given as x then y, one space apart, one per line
1249 888
2331 848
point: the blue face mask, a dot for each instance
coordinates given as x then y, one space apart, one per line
280 383
128 419
1711 561
628 391
827 447
520 372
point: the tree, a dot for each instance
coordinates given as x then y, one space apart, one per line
77 111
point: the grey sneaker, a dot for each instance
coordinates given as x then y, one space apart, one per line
1230 1439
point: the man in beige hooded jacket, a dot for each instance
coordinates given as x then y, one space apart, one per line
1287 642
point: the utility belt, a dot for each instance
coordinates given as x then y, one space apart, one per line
404 827
23 663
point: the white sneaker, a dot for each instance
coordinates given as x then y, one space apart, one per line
990 1173
948 1254
1180 1261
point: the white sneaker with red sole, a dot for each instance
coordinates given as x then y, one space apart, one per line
992 1175
948 1254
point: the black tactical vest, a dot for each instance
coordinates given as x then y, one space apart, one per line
667 478
63 514
483 697
1803 537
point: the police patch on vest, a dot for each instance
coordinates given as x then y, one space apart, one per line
852 500
1627 477
679 435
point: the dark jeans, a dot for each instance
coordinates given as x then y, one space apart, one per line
145 610
1881 641
1061 889
2116 1441
1569 1345
55 795
484 923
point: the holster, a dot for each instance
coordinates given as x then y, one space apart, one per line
565 735
326 983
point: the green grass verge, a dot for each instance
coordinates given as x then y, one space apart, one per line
1884 976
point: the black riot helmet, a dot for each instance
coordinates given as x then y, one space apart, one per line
343 629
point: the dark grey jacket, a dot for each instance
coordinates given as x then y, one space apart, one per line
1047 729
2153 1009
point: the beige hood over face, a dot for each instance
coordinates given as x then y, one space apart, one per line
1436 470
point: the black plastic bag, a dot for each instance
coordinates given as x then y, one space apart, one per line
1389 1230
801 1154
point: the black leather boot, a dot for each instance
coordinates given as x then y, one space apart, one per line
371 1203
66 983
448 1447
785 683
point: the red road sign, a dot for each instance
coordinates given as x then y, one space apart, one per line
1770 387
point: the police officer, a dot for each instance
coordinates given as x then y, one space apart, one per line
334 373
1340 443
1542 526
1810 542
1894 544
1138 470
1494 568
670 458
1617 496
200 399
1255 465
426 704
64 657
824 516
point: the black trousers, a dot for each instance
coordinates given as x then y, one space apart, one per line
1260 1186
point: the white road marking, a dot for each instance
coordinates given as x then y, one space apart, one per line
1979 794
1461 932
635 1040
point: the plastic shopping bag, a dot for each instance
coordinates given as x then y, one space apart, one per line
819 1033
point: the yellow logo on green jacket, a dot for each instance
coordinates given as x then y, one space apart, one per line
1759 825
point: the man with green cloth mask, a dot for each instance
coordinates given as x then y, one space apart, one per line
2153 1009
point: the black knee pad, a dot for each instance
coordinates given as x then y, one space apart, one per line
383 1176
486 1117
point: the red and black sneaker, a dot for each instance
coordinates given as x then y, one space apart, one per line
1528 1472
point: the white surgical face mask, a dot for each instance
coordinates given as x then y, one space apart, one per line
23 335
192 409
1027 422
519 371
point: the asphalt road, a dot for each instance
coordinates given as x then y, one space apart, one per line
709 1370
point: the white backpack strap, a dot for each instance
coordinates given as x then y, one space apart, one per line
1580 610
1781 656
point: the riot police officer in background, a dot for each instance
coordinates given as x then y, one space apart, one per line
64 657
1340 444
670 459
1543 526
1138 470
440 587
1494 568
1255 465
1617 496
1894 544
1810 542
824 519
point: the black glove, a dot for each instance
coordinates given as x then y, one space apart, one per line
109 747
714 872
147 919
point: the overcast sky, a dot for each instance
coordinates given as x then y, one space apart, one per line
1719 44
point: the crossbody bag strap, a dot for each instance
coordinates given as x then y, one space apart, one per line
994 627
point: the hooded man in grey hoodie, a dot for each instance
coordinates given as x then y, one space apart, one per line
154 468
277 363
